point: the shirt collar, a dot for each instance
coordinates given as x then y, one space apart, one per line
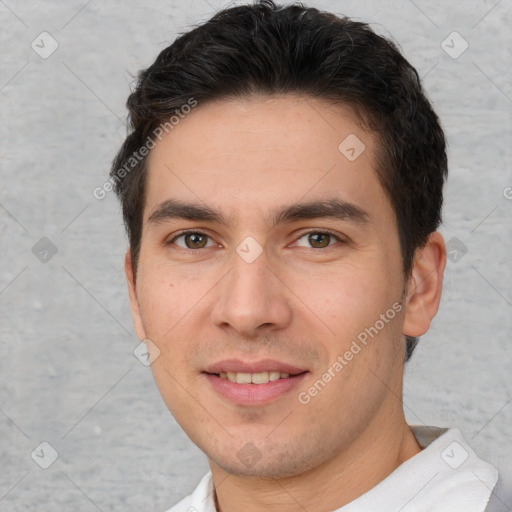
446 476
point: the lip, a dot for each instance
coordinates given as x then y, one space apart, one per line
270 365
253 394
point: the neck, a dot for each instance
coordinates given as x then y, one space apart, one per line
376 453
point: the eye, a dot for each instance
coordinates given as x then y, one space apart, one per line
192 240
317 240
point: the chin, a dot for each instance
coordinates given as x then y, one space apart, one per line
251 462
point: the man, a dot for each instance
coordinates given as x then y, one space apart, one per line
281 188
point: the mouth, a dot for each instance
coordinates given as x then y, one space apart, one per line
252 384
253 378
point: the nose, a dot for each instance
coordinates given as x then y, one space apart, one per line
252 299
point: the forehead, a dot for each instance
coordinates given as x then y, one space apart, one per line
247 156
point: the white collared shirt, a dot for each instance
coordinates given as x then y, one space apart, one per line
446 476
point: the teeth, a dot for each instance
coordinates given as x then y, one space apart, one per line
243 378
259 378
253 378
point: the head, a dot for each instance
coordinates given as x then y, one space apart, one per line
300 152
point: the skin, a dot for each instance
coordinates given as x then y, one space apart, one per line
296 303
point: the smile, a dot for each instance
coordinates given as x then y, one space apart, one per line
255 383
253 378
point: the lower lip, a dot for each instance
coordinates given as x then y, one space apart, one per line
253 394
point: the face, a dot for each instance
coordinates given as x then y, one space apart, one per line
270 257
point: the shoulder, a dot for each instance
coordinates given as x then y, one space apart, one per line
446 476
500 498
461 480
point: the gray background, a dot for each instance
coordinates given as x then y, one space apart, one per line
67 372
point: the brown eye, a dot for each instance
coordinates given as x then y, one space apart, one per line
192 240
319 240
195 240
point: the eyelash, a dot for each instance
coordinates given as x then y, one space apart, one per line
338 238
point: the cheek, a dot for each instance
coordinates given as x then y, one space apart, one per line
347 299
168 296
364 316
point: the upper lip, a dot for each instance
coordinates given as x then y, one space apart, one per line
264 365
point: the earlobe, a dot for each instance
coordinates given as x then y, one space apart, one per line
424 286
132 293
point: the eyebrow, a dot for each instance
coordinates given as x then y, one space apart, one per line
328 208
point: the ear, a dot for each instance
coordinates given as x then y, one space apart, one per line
132 292
424 286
